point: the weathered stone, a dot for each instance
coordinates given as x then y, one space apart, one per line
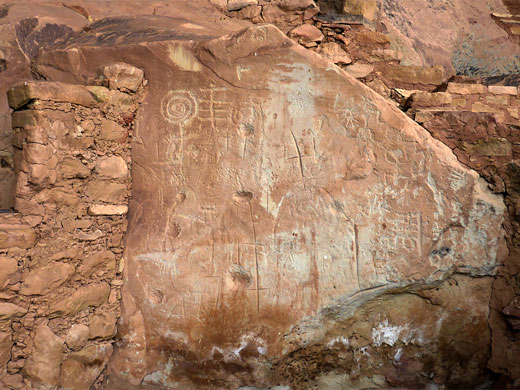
6 343
23 93
491 147
123 76
502 90
111 131
58 197
93 295
43 366
307 32
77 336
71 168
13 381
113 167
80 369
107 209
105 191
250 12
481 107
102 325
501 100
359 70
371 38
466 89
294 5
44 280
334 52
16 236
10 310
427 99
8 266
102 261
235 5
415 74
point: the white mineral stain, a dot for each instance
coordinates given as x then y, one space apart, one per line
386 334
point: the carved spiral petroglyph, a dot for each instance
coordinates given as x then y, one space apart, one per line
179 107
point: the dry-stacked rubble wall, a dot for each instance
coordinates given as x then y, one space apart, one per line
61 251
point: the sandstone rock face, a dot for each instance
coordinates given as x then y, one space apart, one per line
43 366
269 209
471 43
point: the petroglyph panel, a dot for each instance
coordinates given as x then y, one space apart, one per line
290 193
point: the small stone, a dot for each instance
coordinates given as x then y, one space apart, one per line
107 209
359 70
307 32
113 167
334 52
103 325
466 89
77 336
43 366
123 76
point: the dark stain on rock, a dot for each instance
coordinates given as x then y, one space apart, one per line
4 11
124 31
3 65
31 38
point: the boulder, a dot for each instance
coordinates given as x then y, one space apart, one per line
43 366
334 52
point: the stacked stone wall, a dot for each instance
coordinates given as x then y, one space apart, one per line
481 124
61 252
